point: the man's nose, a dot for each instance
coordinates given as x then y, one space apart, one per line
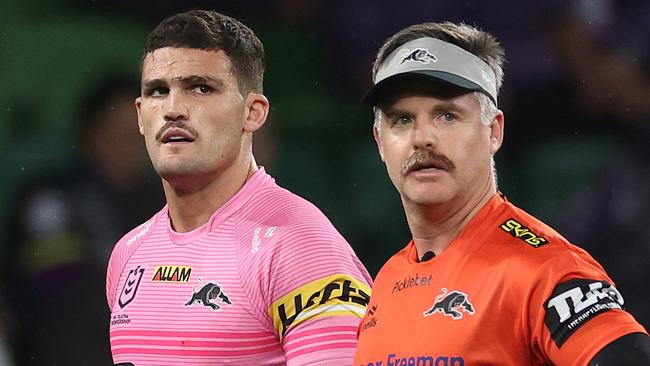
425 133
177 108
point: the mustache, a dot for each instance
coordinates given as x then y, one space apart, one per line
177 124
427 158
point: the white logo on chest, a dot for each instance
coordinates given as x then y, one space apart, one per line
141 233
256 242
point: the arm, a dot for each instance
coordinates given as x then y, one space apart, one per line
584 312
304 280
320 292
318 321
630 349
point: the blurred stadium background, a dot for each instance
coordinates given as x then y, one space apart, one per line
75 176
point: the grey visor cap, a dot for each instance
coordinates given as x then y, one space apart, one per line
437 59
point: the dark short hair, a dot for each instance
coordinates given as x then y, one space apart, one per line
471 39
211 31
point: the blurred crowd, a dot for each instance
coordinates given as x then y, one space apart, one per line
76 176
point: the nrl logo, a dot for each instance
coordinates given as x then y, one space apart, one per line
130 286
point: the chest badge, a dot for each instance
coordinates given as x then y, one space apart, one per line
208 295
130 286
451 304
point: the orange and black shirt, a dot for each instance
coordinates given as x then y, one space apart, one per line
509 290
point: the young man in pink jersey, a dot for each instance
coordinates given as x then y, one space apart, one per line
234 269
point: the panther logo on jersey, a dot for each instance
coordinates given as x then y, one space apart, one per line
452 304
207 296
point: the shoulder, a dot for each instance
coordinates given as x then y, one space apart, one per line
122 251
582 309
395 265
286 230
535 260
282 233
521 239
273 200
289 214
306 273
138 233
129 242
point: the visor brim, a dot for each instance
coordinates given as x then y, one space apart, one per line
372 96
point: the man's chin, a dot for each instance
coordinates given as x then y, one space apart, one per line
175 171
427 201
427 197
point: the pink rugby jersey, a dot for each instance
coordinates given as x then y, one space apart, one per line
266 281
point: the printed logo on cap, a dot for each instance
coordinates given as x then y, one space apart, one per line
421 55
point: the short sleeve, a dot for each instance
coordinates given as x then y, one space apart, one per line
575 310
319 293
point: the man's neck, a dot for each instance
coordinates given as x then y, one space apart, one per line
434 227
193 200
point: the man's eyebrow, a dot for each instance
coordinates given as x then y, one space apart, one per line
449 106
152 83
443 106
199 79
188 79
396 111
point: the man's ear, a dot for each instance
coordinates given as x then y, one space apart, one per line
496 132
257 110
377 135
138 105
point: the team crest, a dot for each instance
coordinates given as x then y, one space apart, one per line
451 304
421 55
130 286
208 296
